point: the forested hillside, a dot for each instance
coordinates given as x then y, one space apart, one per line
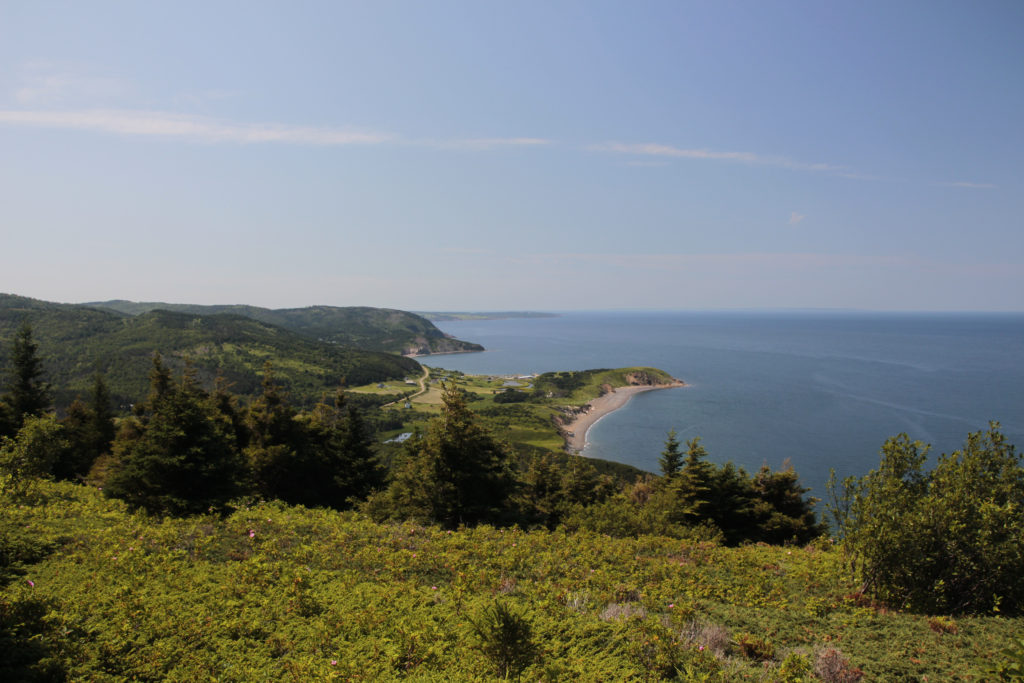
78 342
376 329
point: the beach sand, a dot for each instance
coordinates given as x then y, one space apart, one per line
576 431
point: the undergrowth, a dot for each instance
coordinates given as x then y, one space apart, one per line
271 592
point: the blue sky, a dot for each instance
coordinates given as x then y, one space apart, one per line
526 155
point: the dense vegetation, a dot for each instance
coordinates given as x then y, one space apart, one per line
375 329
467 561
78 342
962 523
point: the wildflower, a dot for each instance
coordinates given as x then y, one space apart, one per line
433 588
252 533
700 648
31 583
334 662
671 605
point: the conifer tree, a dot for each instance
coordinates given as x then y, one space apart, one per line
103 428
671 460
275 441
182 458
783 513
343 463
455 474
693 484
27 393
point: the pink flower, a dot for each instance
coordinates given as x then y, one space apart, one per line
31 583
700 648
433 588
252 533
334 662
671 605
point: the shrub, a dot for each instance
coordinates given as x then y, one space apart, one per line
946 541
831 667
506 639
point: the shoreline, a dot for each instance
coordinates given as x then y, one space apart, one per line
575 432
441 353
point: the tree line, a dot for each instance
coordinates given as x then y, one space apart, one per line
184 449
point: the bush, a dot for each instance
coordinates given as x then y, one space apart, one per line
946 541
506 639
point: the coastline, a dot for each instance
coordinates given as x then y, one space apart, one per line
575 432
441 353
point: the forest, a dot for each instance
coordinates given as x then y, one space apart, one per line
300 549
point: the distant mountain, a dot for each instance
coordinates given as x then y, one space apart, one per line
75 341
443 316
376 329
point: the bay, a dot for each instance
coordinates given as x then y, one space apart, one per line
822 390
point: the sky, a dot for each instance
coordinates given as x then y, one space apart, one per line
537 155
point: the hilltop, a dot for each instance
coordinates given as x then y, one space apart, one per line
373 329
77 341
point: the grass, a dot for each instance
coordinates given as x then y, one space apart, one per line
528 425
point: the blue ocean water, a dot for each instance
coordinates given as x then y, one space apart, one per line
823 390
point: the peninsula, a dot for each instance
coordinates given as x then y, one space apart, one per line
575 430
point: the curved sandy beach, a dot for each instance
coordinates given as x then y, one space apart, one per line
576 431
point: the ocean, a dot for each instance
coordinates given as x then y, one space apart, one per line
821 390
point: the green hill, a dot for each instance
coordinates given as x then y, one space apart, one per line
76 342
376 329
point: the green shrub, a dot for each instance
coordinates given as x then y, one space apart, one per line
946 541
506 639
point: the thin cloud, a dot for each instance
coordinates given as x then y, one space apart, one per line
169 125
484 144
45 83
795 218
204 129
750 158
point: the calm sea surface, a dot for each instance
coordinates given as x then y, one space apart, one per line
822 389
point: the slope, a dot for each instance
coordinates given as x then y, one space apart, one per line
378 329
76 341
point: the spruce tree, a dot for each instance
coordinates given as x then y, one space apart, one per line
671 460
102 415
182 458
693 484
455 474
27 394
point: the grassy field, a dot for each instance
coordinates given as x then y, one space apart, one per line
526 425
93 592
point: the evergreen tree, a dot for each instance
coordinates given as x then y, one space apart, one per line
75 461
783 514
103 428
275 443
183 457
160 383
27 394
343 461
542 500
89 428
671 460
455 474
731 504
693 484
